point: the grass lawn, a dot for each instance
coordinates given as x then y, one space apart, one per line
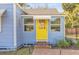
21 51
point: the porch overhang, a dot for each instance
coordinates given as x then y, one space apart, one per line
46 17
41 11
42 17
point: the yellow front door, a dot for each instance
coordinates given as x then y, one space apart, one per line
41 30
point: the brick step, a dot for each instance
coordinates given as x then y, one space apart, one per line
42 45
41 42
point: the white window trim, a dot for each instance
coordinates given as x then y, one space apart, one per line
64 28
27 24
56 24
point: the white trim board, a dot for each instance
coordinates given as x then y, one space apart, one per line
14 18
64 28
43 15
0 24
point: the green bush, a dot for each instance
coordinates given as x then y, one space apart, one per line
68 25
77 44
69 41
63 44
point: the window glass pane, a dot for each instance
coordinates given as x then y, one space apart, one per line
55 28
28 20
28 27
55 24
56 20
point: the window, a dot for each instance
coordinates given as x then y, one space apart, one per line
28 24
55 24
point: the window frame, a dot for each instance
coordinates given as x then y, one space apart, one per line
55 24
27 24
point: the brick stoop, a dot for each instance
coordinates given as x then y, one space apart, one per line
42 45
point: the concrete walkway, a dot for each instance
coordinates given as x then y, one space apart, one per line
43 51
47 51
69 52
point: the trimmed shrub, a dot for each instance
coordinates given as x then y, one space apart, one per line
70 41
63 44
77 44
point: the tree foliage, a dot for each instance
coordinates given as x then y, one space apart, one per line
71 11
68 7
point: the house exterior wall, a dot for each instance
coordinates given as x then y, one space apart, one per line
53 37
6 34
22 37
19 31
29 37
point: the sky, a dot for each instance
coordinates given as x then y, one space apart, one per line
58 6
